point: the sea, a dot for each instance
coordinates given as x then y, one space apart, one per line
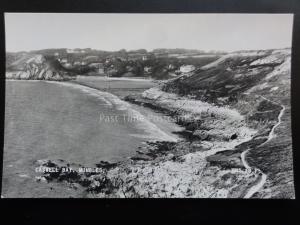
72 122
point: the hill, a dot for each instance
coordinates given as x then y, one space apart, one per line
237 137
158 64
257 85
35 67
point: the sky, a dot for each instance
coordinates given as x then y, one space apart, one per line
224 32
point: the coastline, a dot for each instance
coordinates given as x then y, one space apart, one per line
174 168
189 167
113 101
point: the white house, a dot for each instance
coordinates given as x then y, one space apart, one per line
171 66
75 51
187 68
101 70
70 51
147 69
67 65
97 65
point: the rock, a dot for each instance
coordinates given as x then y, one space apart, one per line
106 165
170 156
141 157
140 152
226 160
41 179
234 136
202 134
42 161
37 67
85 182
70 176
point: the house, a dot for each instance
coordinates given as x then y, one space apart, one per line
75 51
96 65
147 69
177 72
64 60
171 66
70 51
187 68
101 70
67 65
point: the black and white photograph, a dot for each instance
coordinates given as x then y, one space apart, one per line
121 105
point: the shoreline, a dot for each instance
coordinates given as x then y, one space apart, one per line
234 112
117 78
160 162
114 101
170 157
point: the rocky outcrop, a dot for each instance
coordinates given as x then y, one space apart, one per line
162 169
227 107
257 84
177 169
36 67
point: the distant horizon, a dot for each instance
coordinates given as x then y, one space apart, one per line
131 50
112 31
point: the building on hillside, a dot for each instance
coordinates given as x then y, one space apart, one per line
147 69
171 66
96 65
187 68
75 51
177 72
64 60
67 65
101 70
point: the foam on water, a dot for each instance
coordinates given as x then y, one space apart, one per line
153 131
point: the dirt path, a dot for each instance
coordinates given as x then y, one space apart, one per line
271 135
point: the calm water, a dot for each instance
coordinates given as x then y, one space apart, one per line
45 120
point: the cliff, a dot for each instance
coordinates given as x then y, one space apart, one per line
257 85
36 67
162 64
237 139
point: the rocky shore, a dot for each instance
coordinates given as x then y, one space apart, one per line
232 112
175 169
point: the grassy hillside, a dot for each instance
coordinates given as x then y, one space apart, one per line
162 64
257 84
